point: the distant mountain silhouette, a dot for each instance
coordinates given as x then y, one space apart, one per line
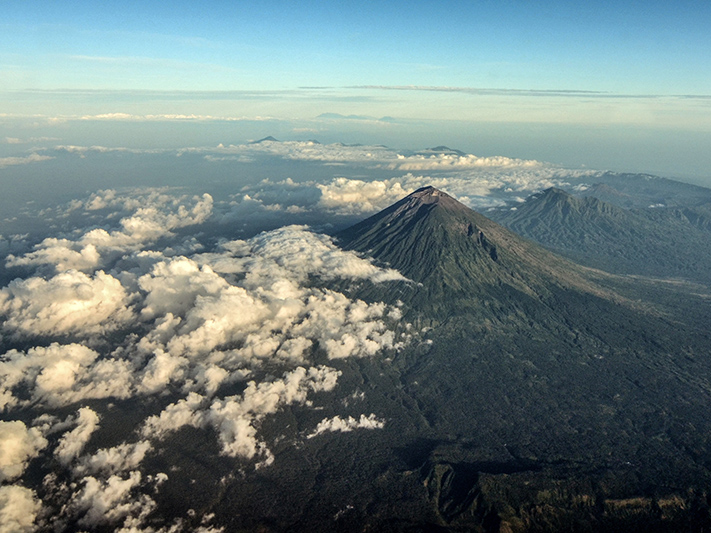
665 242
266 139
446 150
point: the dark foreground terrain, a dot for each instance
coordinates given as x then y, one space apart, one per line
531 394
536 395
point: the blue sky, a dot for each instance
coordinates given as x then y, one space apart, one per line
618 47
630 64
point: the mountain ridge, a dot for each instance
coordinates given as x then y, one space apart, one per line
663 242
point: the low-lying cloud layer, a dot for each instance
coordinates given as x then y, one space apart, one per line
479 182
229 330
156 216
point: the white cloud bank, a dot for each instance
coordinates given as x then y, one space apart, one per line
18 445
23 160
111 500
195 325
449 162
271 312
484 188
58 375
479 182
372 155
156 216
69 303
120 458
345 425
19 508
206 320
235 418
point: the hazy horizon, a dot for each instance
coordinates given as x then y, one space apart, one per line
621 87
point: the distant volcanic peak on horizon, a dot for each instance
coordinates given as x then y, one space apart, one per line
551 195
554 191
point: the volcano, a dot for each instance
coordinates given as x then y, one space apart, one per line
464 263
532 383
431 237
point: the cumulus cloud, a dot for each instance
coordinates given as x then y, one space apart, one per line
195 324
69 303
235 418
19 508
257 324
18 445
479 187
72 443
32 158
174 285
59 374
125 456
353 196
202 330
347 328
184 412
161 369
102 501
300 253
155 216
345 425
268 313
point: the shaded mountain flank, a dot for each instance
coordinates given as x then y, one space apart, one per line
642 190
659 241
530 397
535 398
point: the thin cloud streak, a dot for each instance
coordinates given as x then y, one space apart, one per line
484 91
132 61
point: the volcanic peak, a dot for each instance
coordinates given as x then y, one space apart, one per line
427 198
459 254
430 195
